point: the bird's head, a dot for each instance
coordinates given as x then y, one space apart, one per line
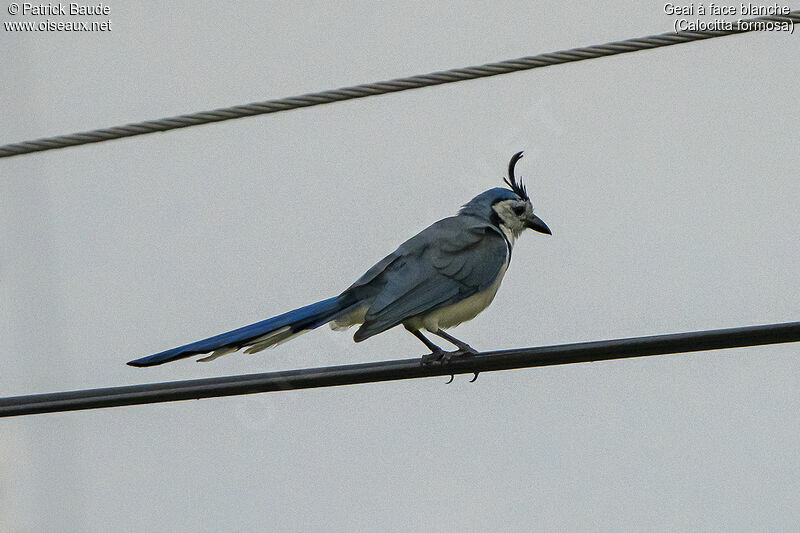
510 209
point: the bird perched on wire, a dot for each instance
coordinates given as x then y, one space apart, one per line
443 276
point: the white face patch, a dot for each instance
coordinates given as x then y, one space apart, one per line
513 214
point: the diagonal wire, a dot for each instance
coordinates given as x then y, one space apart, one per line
383 87
582 352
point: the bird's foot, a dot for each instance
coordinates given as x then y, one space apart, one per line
438 356
435 356
464 351
442 357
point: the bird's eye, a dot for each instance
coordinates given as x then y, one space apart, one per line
518 210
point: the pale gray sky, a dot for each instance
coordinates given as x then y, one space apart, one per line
666 176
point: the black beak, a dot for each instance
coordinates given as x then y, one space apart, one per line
536 224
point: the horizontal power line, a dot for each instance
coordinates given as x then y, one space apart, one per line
383 87
403 369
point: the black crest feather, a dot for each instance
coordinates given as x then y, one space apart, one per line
512 182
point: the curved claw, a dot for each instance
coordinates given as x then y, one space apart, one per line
474 378
452 377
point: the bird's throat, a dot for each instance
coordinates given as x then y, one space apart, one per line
511 235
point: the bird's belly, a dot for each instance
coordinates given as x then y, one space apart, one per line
466 309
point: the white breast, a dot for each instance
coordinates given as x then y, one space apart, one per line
467 309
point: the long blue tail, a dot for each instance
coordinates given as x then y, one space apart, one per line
258 336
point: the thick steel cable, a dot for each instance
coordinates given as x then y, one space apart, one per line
403 369
372 89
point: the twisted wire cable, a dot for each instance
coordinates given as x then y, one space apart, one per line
390 86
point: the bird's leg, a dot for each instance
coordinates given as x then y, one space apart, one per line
436 353
463 347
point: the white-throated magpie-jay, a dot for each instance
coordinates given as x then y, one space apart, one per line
441 277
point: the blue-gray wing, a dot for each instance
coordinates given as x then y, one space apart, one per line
444 264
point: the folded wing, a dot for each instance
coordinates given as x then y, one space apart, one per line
450 261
